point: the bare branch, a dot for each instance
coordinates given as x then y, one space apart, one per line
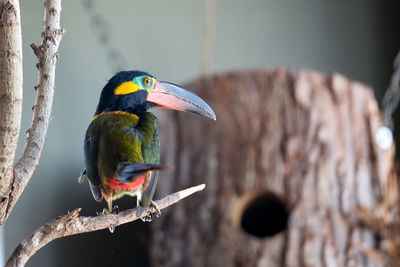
72 224
47 54
10 91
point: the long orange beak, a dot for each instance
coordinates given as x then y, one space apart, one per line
171 96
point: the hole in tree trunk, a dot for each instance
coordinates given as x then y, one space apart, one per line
261 214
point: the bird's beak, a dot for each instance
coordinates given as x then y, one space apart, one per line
171 96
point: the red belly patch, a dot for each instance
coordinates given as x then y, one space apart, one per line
115 184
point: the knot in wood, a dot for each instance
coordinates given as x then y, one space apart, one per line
8 15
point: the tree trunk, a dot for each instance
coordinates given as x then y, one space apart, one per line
294 176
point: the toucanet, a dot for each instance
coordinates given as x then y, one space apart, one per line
122 146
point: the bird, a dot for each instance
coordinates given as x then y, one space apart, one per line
121 144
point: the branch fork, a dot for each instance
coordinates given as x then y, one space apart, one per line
47 54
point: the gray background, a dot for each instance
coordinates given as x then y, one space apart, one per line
356 38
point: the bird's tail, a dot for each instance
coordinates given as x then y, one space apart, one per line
126 173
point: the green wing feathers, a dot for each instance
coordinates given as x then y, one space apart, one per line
151 154
114 141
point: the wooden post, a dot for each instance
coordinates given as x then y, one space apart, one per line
294 176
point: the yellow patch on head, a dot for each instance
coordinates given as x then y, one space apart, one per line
126 88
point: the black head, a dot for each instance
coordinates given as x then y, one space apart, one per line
136 91
126 91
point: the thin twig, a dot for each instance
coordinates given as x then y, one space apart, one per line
47 54
73 224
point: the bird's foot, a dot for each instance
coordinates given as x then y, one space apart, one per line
157 213
115 209
155 206
111 229
105 211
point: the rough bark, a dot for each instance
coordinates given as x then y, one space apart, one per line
10 92
73 224
47 54
306 141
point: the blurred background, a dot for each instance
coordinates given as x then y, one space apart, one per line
166 38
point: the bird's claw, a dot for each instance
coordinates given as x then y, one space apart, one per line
157 209
111 229
115 210
105 211
147 218
157 213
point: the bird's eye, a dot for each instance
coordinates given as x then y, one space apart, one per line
147 81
